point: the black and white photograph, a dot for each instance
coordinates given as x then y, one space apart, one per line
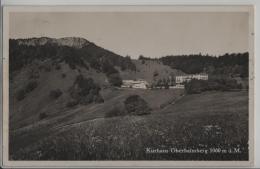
129 84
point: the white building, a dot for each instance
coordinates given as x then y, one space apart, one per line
138 84
187 78
177 86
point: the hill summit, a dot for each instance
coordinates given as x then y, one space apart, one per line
75 42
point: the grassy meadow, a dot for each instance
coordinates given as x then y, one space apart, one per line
205 121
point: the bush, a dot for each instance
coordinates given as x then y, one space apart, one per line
42 116
135 105
54 94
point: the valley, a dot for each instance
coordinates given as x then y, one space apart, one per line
67 103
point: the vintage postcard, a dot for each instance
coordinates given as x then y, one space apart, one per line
128 86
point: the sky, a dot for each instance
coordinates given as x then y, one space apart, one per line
151 34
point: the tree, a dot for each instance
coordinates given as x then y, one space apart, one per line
166 86
218 84
107 68
135 105
232 64
195 86
85 91
159 83
172 82
141 57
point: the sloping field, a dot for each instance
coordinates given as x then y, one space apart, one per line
203 121
67 116
147 69
26 111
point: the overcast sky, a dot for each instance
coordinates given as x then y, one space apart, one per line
150 34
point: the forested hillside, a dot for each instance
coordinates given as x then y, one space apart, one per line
75 54
234 64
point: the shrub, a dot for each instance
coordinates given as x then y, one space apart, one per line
135 105
42 116
55 93
86 86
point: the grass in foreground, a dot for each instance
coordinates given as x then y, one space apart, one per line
204 121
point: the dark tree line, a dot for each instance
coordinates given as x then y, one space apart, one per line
231 64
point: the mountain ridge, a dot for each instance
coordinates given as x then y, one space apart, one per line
76 42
